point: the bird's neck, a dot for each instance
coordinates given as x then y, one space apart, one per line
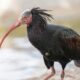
35 28
37 25
38 22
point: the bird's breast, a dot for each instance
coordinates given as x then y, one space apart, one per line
42 40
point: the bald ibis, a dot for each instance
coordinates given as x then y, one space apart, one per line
55 42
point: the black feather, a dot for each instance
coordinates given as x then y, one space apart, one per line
62 44
40 17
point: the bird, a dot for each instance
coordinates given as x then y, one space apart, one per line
55 42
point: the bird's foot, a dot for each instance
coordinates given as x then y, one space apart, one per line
48 76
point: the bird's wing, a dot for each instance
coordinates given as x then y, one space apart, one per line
71 38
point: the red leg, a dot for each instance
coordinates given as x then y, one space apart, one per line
62 75
51 74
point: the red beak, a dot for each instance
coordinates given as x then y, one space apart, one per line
12 27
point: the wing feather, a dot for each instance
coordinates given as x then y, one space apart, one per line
71 38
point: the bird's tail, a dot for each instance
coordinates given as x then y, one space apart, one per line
77 63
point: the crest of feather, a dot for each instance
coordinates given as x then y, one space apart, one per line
42 12
40 17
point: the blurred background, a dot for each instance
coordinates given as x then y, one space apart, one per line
19 60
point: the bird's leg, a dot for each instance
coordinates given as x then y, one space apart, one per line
62 75
63 63
51 74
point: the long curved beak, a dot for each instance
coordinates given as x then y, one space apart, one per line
12 27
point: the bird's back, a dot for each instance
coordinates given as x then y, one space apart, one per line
69 40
